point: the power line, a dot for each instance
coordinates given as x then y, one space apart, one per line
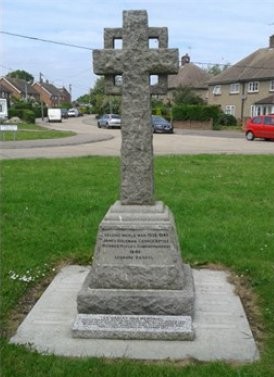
45 40
236 65
5 67
91 49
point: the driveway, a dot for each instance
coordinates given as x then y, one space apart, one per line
91 140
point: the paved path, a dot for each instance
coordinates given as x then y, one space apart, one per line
91 140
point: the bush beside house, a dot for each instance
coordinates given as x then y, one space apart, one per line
25 110
196 116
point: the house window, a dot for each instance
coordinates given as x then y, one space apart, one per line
217 90
235 88
271 86
230 109
253 86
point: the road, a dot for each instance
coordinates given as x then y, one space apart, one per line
91 140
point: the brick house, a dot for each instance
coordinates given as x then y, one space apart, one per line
51 95
5 92
246 88
17 88
65 96
48 93
21 89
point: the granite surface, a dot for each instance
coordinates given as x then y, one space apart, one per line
133 327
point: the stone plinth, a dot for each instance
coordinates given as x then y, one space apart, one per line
137 267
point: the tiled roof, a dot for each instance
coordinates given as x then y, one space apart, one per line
257 66
189 75
21 85
4 89
266 101
50 88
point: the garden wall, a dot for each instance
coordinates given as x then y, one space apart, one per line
193 124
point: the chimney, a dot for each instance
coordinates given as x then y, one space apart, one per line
271 41
185 59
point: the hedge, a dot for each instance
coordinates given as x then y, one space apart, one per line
196 112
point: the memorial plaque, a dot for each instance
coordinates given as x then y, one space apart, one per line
133 327
136 246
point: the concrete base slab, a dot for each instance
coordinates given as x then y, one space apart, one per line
221 328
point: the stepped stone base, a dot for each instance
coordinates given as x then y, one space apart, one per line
137 270
138 301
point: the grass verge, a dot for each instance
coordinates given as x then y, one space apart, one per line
28 131
224 211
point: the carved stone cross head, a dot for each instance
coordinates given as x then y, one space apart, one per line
136 62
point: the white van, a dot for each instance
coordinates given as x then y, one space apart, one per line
3 108
54 115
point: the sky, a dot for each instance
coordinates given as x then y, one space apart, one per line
210 31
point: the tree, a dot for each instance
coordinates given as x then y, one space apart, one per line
21 74
102 103
97 95
216 69
84 98
184 95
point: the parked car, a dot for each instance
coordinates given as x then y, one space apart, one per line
73 113
109 121
161 125
64 113
261 126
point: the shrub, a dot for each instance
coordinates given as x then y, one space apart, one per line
15 113
184 95
85 109
28 116
26 111
196 112
37 110
227 120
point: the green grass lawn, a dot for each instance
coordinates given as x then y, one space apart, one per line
28 131
50 212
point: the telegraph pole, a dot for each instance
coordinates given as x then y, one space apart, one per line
41 100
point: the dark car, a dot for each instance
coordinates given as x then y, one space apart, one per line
161 125
64 113
109 121
261 126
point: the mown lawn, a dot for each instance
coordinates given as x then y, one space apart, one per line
50 211
27 131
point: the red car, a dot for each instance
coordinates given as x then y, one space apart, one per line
261 126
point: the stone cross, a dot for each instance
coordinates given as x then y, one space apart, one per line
136 62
